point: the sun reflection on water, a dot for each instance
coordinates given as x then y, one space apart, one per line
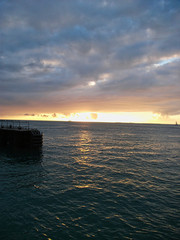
84 144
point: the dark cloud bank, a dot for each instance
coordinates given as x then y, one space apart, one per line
51 51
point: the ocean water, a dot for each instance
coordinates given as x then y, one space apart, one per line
93 181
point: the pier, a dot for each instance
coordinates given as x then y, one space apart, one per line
19 134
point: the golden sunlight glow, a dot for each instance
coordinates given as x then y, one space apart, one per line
82 117
130 117
126 117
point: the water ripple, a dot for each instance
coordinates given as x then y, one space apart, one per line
93 181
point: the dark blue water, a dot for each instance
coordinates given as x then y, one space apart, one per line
93 181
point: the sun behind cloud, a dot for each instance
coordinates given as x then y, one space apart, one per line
92 83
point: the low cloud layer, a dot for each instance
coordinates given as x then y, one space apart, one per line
81 55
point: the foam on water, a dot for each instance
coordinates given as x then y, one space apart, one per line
93 181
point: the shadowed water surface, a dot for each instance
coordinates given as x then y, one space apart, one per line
93 181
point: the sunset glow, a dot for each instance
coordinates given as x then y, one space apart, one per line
113 117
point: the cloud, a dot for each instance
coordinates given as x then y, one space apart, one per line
29 114
94 116
51 50
44 115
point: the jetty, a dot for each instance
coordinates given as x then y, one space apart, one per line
15 133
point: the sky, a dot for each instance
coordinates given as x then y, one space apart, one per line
90 60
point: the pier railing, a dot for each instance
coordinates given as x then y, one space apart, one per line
14 124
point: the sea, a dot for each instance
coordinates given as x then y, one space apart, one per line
93 181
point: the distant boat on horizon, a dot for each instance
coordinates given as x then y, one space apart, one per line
176 124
